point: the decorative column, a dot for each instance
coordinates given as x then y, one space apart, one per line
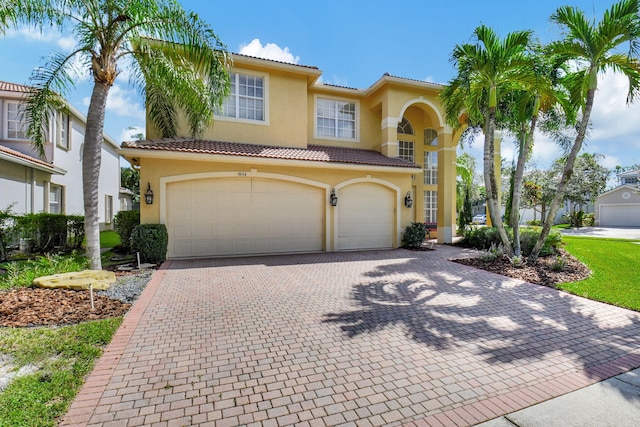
446 185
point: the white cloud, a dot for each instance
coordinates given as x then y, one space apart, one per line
64 42
122 103
268 51
612 118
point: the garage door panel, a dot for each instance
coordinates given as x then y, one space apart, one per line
365 217
225 216
620 215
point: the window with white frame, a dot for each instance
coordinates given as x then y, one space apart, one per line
335 119
430 137
405 150
430 167
55 199
631 180
405 127
108 209
246 99
63 136
15 124
431 206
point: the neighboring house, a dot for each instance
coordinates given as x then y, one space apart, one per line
621 206
284 149
52 184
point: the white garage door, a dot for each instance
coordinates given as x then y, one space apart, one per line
365 217
227 216
620 215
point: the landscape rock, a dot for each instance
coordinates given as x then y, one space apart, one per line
81 280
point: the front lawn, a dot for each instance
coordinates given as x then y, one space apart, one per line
615 266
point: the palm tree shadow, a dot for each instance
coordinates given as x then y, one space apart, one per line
385 304
499 320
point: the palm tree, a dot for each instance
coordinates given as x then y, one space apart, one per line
592 48
487 72
174 59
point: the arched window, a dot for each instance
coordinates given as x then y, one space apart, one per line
405 127
430 137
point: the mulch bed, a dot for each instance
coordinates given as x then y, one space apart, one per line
541 272
37 307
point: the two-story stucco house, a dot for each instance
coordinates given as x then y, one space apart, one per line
620 207
52 184
295 165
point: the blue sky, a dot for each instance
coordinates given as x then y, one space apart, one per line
354 44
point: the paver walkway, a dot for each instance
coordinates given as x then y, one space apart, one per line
363 338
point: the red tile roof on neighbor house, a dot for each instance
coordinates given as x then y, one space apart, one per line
19 155
314 153
13 87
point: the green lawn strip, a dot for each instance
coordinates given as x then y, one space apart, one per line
64 356
614 263
109 239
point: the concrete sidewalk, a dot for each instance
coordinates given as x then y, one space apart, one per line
613 402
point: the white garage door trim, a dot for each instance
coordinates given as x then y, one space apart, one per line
253 173
368 179
634 211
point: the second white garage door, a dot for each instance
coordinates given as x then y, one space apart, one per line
236 216
365 217
620 215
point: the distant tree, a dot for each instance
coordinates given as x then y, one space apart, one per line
588 181
130 179
466 170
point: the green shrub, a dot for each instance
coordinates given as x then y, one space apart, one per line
414 235
7 230
484 238
151 241
21 274
534 222
589 220
125 222
75 231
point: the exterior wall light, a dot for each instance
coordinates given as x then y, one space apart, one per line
408 201
148 195
333 199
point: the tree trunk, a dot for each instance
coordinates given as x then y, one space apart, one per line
491 186
91 158
525 144
566 175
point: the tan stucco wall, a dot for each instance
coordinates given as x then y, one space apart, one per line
152 170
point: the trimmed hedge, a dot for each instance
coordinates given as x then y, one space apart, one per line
151 241
124 223
483 237
49 232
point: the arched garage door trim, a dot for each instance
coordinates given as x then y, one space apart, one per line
164 181
368 179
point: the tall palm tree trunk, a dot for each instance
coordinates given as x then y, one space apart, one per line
491 183
527 140
91 158
566 175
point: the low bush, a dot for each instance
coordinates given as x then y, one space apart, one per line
484 238
151 241
414 235
589 220
124 223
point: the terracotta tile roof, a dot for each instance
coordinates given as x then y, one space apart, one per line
314 153
311 67
17 154
13 87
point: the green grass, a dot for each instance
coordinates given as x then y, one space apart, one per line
109 239
64 355
614 263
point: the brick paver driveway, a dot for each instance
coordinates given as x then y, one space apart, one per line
363 338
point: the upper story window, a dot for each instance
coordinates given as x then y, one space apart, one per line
430 167
15 125
63 135
336 119
246 99
405 127
430 137
631 180
405 150
56 199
